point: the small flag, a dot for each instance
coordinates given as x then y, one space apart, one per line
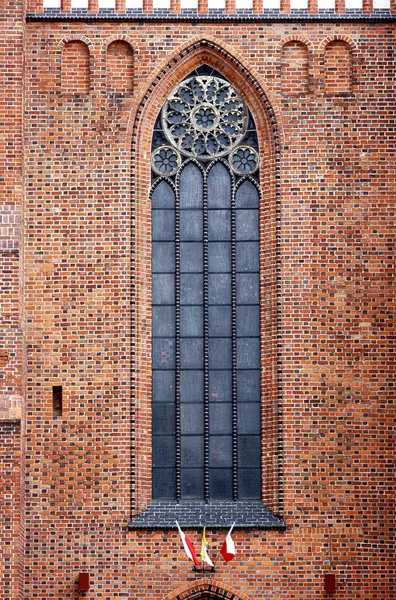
188 547
204 549
228 548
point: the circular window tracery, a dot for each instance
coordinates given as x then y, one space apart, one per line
205 117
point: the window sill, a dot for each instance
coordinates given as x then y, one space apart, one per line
220 514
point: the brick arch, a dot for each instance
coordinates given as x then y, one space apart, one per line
337 38
216 590
149 102
117 38
295 38
75 38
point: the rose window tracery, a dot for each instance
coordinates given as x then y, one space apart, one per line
205 117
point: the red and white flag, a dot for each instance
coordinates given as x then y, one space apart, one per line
228 548
188 547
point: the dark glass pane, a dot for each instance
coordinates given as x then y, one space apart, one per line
220 451
191 321
220 483
191 226
220 386
248 386
191 289
247 196
163 289
191 187
249 417
219 187
164 451
164 483
163 225
248 321
192 418
220 321
191 257
219 225
192 483
248 353
163 418
248 288
163 321
191 350
247 256
220 418
163 353
163 196
192 451
249 483
220 289
163 386
247 225
249 450
219 257
163 257
219 353
191 386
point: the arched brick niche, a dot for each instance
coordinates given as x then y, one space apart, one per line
119 67
338 67
295 68
204 590
75 70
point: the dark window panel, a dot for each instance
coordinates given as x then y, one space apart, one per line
163 321
248 321
191 321
191 187
191 225
249 451
248 386
220 418
247 256
163 289
163 353
247 225
192 419
220 386
191 257
164 484
163 418
163 196
164 451
247 196
219 225
220 483
191 386
219 187
163 386
220 289
192 484
248 288
191 289
192 450
220 451
191 351
163 257
248 353
219 257
163 225
249 484
219 353
249 418
220 321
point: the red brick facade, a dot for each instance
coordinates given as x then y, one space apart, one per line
79 100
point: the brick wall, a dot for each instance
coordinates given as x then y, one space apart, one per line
329 327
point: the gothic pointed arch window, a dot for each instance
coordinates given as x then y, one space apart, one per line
205 270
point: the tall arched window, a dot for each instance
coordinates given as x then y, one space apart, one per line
205 268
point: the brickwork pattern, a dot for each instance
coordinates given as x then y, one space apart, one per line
327 307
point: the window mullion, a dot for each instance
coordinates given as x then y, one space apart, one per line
177 348
206 337
234 349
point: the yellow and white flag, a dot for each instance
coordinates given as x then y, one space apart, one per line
204 549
